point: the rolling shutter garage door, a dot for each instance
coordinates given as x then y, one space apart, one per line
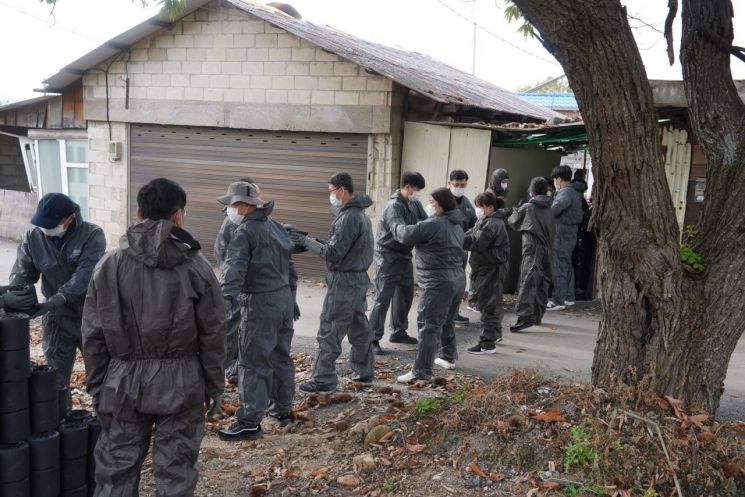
291 168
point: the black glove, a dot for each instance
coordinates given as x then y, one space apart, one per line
18 299
213 404
54 302
298 238
296 312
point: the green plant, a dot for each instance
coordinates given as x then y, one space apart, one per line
580 452
574 491
687 254
459 395
651 492
388 486
425 405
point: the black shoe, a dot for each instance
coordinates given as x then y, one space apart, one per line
521 325
403 339
478 349
240 431
312 387
360 379
283 419
377 350
461 320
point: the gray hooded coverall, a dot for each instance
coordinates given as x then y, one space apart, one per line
348 254
259 271
154 347
66 271
394 272
227 229
490 260
567 211
439 262
535 222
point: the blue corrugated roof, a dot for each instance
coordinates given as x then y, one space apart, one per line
553 100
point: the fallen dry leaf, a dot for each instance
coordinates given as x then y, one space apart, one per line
341 425
319 473
551 485
677 405
706 436
342 397
532 492
552 416
349 480
697 420
416 448
496 477
258 490
731 469
477 470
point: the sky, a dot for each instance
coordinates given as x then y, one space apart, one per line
35 45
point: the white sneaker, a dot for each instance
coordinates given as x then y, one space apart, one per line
569 303
470 308
444 364
555 307
406 378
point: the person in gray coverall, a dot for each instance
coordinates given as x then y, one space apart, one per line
154 349
63 250
534 220
457 184
490 260
567 211
259 272
234 314
439 261
394 272
348 254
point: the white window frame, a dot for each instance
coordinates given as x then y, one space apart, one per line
64 164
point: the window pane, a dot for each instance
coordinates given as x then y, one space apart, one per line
77 151
77 186
49 165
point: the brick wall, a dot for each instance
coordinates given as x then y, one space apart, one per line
221 66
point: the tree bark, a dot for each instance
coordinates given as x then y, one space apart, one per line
654 315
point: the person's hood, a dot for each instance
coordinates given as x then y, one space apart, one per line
158 244
580 186
495 181
455 216
359 201
262 212
543 201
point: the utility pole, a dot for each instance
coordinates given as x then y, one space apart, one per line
475 31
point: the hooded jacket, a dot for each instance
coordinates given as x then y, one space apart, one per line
350 245
398 210
495 182
65 270
438 241
227 228
488 242
567 205
258 259
468 211
534 219
154 325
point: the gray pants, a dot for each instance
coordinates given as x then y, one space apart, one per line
266 369
231 341
343 314
394 288
563 271
535 282
61 339
123 445
488 283
442 291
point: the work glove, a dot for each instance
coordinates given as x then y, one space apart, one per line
54 302
296 312
213 405
17 299
298 238
313 245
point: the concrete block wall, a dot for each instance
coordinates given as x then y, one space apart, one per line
12 170
221 66
108 204
16 210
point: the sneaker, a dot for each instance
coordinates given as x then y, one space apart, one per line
283 419
555 307
406 378
312 387
478 349
409 340
240 431
461 320
498 340
569 303
377 349
361 379
445 363
521 325
472 307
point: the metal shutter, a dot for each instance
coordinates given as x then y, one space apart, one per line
291 168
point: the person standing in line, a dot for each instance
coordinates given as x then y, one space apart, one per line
457 184
62 250
394 271
348 254
534 220
490 255
439 261
227 228
567 210
154 349
259 271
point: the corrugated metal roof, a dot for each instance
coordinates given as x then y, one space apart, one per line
430 77
552 100
23 103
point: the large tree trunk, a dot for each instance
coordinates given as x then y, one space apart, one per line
655 320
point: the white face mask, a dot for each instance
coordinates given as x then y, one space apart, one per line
233 215
334 201
416 195
479 212
504 185
430 210
458 192
58 231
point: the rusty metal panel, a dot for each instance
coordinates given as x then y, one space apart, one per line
291 168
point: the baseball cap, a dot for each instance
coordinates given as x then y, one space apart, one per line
52 208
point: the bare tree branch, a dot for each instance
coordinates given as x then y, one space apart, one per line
672 6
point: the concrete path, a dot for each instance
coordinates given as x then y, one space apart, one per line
563 345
